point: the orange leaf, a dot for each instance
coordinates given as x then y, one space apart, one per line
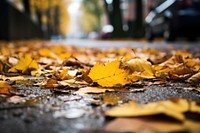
5 87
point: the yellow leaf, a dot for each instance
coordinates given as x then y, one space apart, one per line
47 53
24 65
5 88
66 55
141 69
110 74
173 108
65 75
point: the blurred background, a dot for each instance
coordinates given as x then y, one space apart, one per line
96 19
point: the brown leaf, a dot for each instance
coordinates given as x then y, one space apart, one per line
195 79
174 60
51 83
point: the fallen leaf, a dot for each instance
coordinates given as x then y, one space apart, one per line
175 68
5 88
110 74
48 83
73 83
173 108
12 61
1 67
64 56
25 64
174 60
159 82
16 99
113 99
181 71
92 90
143 125
192 126
64 75
195 79
47 53
194 107
143 66
14 78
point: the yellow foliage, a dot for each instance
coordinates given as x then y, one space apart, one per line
64 18
110 74
174 108
88 26
25 64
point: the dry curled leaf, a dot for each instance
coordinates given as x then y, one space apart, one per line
109 74
195 79
142 66
177 67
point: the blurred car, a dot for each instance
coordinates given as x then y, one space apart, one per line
106 32
173 18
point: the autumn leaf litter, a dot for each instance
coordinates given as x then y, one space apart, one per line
79 71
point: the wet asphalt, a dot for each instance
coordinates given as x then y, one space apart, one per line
45 111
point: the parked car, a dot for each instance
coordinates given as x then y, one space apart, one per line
173 18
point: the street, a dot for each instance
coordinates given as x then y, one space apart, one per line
99 66
160 43
32 108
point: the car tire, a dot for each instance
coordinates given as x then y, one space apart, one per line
148 34
168 33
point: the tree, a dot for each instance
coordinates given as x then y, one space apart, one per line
93 10
26 4
115 18
139 20
52 16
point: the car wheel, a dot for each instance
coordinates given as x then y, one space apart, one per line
148 34
168 33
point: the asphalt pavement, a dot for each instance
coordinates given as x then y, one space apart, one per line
45 111
159 43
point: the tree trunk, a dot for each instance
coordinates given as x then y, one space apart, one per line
139 20
26 4
115 18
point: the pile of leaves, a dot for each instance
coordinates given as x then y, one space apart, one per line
62 65
63 68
